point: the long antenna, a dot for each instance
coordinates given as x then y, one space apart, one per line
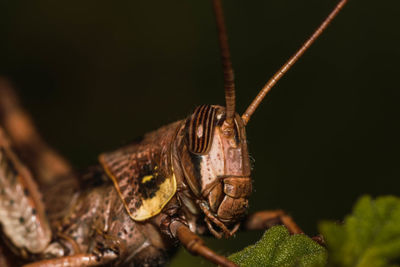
267 87
229 82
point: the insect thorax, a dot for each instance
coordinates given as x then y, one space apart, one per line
142 173
195 160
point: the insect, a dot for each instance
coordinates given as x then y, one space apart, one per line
188 178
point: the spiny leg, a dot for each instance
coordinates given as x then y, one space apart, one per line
46 163
53 173
195 245
265 219
22 214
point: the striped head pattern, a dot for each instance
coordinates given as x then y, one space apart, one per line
214 155
216 164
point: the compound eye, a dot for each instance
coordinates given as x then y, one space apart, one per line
200 129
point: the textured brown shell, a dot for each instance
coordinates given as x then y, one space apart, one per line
142 175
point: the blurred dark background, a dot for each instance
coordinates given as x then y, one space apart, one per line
96 74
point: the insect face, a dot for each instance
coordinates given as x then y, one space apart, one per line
216 164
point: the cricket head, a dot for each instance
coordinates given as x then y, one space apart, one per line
215 158
216 166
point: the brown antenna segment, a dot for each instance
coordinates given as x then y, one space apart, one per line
267 87
229 82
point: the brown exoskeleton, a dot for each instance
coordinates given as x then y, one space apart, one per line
185 179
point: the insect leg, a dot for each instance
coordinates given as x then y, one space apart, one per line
265 219
74 260
22 214
45 162
195 245
53 173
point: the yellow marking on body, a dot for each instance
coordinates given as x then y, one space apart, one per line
147 178
149 207
153 206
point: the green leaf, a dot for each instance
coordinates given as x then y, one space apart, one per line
277 248
370 237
